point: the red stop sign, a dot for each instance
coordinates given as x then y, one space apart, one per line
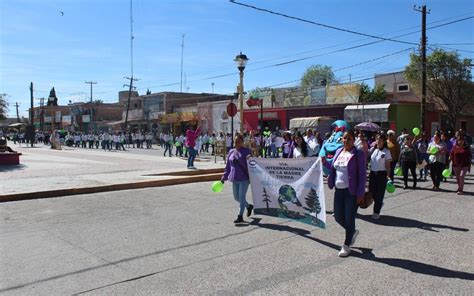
231 109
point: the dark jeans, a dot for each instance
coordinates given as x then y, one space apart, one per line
377 185
167 148
393 164
179 151
192 155
436 170
409 165
345 210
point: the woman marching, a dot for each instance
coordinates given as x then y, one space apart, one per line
437 150
380 160
348 174
461 158
408 160
300 147
236 171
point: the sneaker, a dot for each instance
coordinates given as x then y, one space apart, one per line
249 210
239 219
354 237
459 192
345 251
375 216
193 168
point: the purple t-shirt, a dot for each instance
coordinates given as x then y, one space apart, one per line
236 168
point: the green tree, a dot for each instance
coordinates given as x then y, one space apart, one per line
316 76
448 81
375 95
3 106
312 202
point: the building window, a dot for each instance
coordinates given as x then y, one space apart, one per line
403 87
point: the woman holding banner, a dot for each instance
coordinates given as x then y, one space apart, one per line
300 147
348 174
236 171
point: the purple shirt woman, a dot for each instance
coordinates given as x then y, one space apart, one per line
347 173
236 171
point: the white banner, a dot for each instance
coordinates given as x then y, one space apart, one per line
86 118
289 188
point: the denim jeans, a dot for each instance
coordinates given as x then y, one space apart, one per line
240 190
345 210
192 156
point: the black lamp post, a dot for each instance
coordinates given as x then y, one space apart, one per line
241 61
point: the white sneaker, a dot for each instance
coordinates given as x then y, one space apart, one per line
345 251
193 168
375 216
354 237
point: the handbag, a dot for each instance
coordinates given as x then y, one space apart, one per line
367 201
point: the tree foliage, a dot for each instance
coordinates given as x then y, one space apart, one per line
375 95
449 81
3 107
316 76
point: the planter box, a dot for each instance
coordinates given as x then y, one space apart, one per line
9 158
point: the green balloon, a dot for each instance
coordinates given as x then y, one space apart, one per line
390 187
446 173
433 150
398 171
217 186
416 131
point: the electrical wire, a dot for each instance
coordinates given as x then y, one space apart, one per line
320 24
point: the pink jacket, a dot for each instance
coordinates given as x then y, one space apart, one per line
191 137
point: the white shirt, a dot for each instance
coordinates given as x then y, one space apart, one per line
313 146
378 159
297 153
342 175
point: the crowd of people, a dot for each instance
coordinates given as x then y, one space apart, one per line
376 155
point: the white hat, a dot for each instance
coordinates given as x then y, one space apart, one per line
390 132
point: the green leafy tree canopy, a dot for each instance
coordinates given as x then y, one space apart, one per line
448 81
316 76
375 95
3 106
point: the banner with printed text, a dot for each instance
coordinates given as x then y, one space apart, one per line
288 188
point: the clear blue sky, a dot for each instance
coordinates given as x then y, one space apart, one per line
91 41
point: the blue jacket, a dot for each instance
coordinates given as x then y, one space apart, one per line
357 172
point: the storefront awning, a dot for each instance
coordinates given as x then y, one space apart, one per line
366 112
309 122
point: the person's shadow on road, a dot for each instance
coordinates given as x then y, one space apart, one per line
367 254
413 266
407 223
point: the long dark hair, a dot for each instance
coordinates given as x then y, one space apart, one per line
304 145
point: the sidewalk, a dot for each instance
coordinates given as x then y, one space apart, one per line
43 169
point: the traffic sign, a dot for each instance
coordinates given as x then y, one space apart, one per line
231 109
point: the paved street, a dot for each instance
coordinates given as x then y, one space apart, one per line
181 240
45 169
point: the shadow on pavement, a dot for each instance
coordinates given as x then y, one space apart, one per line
407 223
367 254
413 266
12 167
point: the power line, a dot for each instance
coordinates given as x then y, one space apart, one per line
320 24
318 55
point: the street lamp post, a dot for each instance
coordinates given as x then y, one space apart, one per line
241 61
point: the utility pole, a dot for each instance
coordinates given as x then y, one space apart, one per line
212 84
128 101
92 107
423 11
17 113
182 55
32 126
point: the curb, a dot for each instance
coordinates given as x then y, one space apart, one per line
114 187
